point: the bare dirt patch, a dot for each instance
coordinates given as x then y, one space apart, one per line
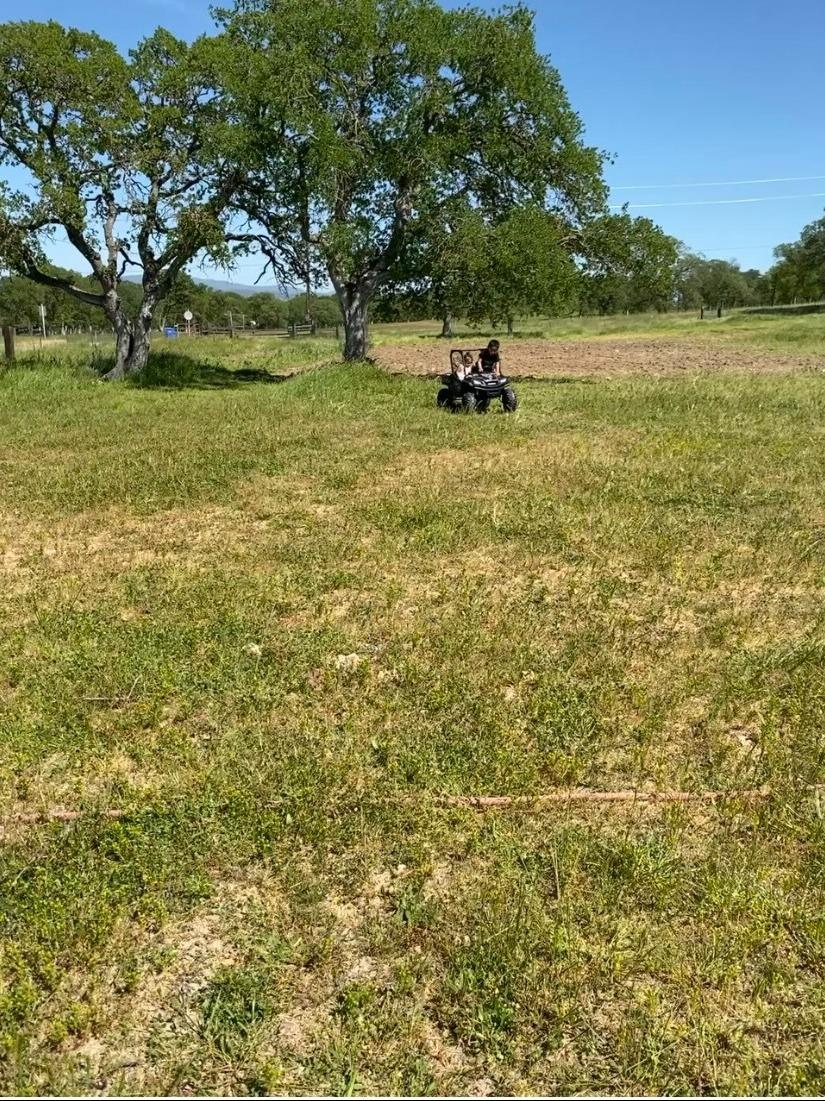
539 359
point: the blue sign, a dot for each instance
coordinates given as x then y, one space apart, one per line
171 331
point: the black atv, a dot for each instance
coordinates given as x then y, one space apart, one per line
472 393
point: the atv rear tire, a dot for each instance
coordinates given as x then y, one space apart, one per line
468 402
443 397
482 405
509 401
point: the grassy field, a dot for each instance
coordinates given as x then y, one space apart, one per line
270 626
773 333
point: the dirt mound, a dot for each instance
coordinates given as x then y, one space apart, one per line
526 359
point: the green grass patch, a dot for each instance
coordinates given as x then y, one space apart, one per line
271 623
772 333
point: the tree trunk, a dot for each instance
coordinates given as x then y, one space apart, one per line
140 351
131 341
509 326
123 348
8 343
447 325
354 308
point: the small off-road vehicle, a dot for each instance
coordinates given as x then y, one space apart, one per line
472 392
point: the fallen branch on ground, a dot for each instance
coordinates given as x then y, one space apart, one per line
481 802
590 795
38 817
113 699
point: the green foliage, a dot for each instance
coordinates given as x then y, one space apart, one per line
233 1008
65 102
799 274
628 265
464 265
20 299
711 283
397 113
524 266
120 154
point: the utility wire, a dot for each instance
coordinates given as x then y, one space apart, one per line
732 248
719 202
719 183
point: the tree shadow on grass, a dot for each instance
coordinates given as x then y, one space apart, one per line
171 371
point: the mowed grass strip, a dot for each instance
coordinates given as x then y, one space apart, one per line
272 623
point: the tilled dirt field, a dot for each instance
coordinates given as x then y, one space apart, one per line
526 359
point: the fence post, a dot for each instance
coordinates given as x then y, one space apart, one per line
8 343
337 332
701 313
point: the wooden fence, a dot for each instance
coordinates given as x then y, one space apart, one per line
291 332
94 336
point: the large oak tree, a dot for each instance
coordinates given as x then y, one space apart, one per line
116 153
364 118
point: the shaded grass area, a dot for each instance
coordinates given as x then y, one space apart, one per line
272 623
199 362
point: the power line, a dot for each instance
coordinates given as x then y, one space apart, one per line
720 202
733 248
719 183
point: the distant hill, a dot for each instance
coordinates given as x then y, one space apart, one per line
243 289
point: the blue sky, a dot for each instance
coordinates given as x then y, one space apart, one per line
681 94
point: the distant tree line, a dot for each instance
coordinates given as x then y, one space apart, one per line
212 308
799 272
477 272
693 281
624 265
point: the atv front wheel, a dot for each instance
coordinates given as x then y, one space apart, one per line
468 402
443 397
509 400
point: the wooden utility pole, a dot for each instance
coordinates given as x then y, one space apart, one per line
8 343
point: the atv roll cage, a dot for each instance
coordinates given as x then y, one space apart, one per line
473 391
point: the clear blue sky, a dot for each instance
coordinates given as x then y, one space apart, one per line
679 93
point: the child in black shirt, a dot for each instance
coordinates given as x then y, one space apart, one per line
489 360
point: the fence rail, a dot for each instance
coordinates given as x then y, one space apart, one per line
29 332
290 332
101 339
